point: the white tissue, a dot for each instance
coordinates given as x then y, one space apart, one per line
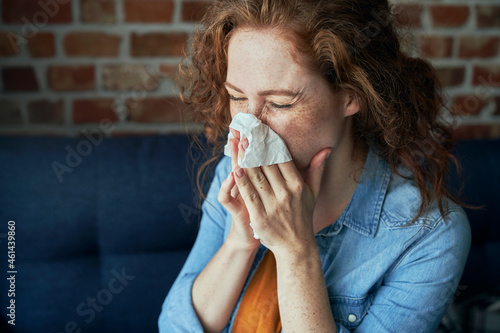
265 147
254 233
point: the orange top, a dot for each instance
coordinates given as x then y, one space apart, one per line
259 311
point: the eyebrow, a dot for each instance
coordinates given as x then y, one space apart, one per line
276 92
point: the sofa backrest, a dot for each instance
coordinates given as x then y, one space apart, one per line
480 161
102 229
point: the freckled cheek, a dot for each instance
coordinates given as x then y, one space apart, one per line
306 136
299 138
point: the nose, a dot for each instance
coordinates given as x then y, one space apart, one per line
257 110
253 108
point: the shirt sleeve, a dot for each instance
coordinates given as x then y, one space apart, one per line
178 314
415 294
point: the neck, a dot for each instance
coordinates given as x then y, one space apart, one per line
342 172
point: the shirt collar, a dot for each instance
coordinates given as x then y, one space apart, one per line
362 214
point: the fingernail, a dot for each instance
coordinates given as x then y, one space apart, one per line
240 172
236 133
328 155
229 177
244 141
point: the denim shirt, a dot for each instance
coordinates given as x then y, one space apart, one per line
381 274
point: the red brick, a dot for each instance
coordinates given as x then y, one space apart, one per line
468 105
158 110
8 44
487 76
436 46
478 132
37 13
41 45
10 113
478 47
451 76
19 79
91 44
169 70
408 15
71 78
488 16
448 16
158 44
128 77
98 11
149 11
193 11
93 110
45 112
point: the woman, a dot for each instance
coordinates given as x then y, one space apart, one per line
358 233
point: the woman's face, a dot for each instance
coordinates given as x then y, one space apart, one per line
267 77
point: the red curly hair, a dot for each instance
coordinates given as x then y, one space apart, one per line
354 44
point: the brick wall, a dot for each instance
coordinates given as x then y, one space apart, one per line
67 65
461 39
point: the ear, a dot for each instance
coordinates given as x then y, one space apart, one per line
351 105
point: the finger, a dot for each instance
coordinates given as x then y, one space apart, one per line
248 193
290 174
236 133
234 163
315 171
234 153
275 178
242 145
235 192
261 184
225 198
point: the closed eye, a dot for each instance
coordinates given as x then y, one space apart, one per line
281 106
237 99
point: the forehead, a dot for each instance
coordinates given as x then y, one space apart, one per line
264 55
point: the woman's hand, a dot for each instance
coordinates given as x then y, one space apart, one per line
229 197
280 203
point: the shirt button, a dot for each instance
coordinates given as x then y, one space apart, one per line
336 227
352 318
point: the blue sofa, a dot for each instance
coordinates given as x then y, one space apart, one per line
102 228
